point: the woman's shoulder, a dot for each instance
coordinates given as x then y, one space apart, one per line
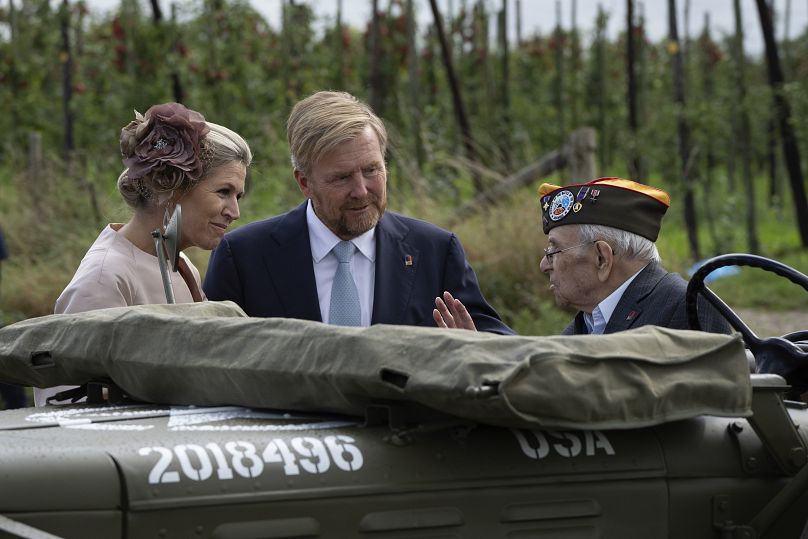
109 275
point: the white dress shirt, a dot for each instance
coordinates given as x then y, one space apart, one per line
322 241
597 320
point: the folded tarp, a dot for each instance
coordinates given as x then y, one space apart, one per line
211 353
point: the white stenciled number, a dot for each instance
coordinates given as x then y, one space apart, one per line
223 470
246 462
205 469
159 473
344 453
312 448
276 451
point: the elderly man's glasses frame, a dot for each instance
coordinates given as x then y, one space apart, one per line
550 253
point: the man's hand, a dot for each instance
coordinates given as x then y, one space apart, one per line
451 313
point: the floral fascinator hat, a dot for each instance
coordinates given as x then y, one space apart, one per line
163 146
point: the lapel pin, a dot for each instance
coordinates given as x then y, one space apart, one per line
632 315
408 260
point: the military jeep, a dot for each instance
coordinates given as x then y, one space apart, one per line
200 422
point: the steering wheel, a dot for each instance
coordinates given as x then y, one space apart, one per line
785 355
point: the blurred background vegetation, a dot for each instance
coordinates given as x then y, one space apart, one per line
71 78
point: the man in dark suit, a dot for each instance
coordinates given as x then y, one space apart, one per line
340 257
602 260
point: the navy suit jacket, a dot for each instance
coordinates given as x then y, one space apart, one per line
655 297
266 267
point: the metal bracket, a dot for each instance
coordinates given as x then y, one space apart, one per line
753 462
722 520
772 423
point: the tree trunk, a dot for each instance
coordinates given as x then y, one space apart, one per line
67 82
683 133
787 39
771 161
505 127
558 87
457 99
339 48
604 156
518 23
744 134
686 43
15 54
706 65
790 148
640 79
634 164
575 68
374 56
430 71
415 99
288 51
157 13
176 82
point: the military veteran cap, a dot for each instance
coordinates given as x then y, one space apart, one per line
614 202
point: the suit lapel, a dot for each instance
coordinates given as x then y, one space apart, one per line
630 306
577 326
290 266
396 266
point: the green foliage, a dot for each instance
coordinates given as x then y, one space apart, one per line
235 68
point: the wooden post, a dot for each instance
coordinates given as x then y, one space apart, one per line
580 151
578 154
35 162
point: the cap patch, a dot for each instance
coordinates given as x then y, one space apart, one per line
561 205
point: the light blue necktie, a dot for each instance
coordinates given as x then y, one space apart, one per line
598 322
344 310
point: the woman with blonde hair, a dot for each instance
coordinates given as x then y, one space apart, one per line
172 157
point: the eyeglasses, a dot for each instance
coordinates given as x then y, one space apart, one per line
549 253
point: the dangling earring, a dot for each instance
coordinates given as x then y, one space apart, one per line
167 215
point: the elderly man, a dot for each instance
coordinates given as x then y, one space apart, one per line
340 257
602 261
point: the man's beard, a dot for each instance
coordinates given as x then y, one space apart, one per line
351 228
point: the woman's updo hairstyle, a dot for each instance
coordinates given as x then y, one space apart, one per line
172 148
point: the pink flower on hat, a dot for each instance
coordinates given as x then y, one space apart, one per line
168 135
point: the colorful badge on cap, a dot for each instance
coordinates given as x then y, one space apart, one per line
561 205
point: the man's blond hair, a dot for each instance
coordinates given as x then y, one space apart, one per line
324 120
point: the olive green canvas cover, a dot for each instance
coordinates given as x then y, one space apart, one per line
211 353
